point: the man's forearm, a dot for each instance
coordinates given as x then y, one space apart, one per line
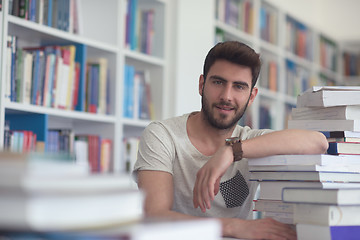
290 141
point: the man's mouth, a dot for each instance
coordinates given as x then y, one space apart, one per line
225 108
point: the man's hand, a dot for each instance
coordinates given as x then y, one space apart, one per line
208 178
266 228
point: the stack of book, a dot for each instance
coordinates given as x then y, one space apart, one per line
325 213
335 111
56 198
42 193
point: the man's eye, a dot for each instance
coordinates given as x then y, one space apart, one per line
218 82
238 86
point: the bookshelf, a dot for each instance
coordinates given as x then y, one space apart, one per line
294 55
350 65
101 32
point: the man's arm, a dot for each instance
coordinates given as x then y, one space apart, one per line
158 188
290 141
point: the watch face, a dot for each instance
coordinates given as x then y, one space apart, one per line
231 141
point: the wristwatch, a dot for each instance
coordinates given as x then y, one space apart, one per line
235 143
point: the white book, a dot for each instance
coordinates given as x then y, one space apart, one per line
307 168
326 125
27 75
327 97
327 215
337 196
60 211
316 159
267 205
209 229
329 113
306 176
17 166
283 217
272 190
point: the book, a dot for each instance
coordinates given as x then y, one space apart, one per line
328 113
327 97
344 148
283 217
336 196
341 134
307 168
209 229
266 205
316 159
70 210
327 215
272 190
326 125
306 176
310 232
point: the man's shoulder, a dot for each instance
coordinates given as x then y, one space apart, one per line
169 124
247 132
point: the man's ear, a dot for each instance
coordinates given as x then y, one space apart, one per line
201 84
253 94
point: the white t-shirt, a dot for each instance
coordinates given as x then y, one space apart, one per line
165 146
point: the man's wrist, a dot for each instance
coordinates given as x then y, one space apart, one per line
236 145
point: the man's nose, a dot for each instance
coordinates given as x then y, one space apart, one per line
226 93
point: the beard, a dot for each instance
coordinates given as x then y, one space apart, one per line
221 123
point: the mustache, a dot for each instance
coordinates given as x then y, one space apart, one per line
224 103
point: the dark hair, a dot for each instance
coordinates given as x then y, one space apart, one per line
235 52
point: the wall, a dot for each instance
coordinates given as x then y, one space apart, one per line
192 39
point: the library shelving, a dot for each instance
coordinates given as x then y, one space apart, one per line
294 55
91 42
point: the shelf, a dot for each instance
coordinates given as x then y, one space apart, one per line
20 108
144 58
30 30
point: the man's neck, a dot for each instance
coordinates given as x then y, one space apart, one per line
206 138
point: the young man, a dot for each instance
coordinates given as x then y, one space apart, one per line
196 166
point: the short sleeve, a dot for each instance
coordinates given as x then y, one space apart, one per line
156 150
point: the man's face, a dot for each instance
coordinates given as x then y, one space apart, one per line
226 93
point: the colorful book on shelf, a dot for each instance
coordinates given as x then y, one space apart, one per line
351 112
99 79
337 148
337 196
327 215
311 231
